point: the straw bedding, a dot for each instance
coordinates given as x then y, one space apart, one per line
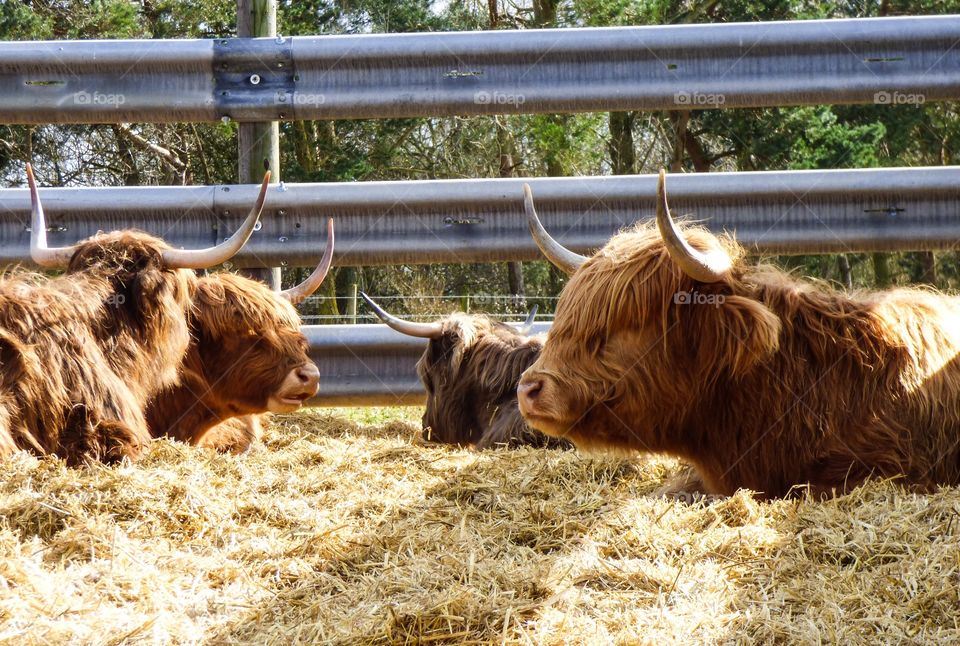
345 529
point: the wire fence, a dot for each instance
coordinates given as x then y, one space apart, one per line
318 310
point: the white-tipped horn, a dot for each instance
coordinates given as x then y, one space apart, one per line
315 279
203 258
705 267
555 252
528 324
422 330
56 258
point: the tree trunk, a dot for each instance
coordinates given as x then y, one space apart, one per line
679 120
701 163
515 281
545 13
304 144
623 155
494 14
131 174
346 277
514 268
928 268
843 268
881 269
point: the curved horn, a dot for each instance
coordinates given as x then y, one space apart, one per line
203 258
556 253
422 330
56 258
528 324
312 283
705 267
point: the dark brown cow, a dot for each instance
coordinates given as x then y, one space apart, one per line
470 371
666 341
82 353
247 356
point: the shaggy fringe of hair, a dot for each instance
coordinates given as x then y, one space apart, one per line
245 339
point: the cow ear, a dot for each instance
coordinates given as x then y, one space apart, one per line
734 334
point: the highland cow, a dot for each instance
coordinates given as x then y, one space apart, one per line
247 356
470 371
666 340
82 353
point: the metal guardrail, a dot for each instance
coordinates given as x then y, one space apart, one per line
883 61
875 60
368 365
378 223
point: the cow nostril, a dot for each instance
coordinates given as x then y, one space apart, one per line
530 390
308 374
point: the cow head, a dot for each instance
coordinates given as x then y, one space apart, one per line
643 330
148 287
469 369
248 345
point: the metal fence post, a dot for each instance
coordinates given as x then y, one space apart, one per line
352 304
259 143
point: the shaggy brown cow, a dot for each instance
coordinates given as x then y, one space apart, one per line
470 371
666 341
247 356
80 354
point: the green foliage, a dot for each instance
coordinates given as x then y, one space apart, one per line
179 18
70 20
825 143
19 22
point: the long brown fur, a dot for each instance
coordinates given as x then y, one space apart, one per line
146 330
244 340
82 353
470 373
783 382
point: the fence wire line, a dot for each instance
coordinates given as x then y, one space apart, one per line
472 297
516 314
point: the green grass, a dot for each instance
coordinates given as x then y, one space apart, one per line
373 415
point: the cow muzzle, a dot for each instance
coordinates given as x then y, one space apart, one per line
530 398
528 393
298 386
